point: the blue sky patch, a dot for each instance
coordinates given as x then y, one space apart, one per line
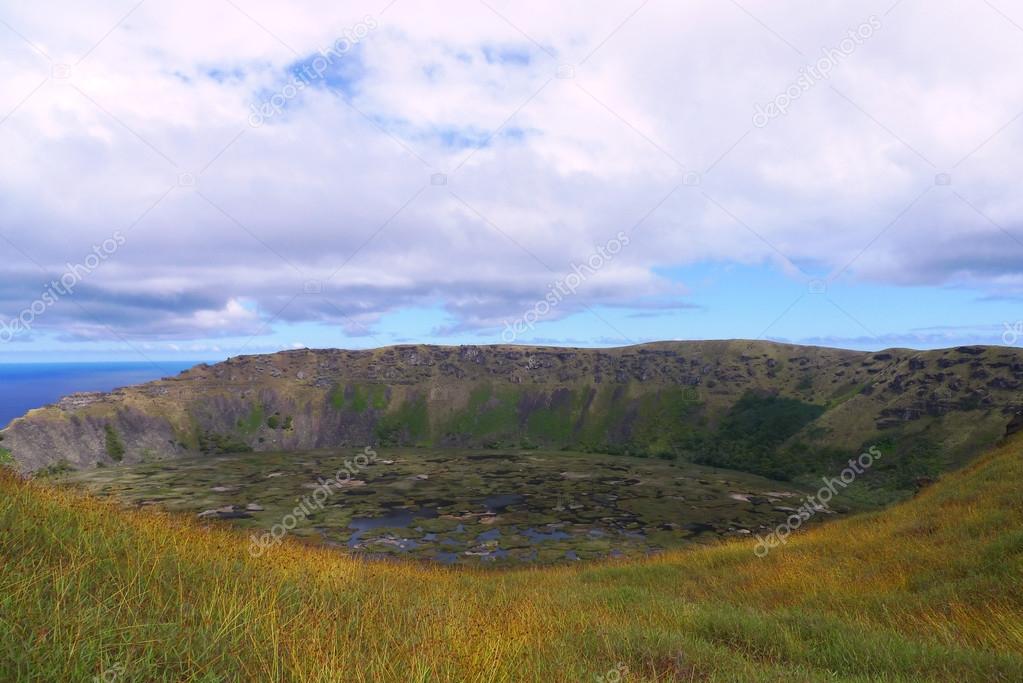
504 55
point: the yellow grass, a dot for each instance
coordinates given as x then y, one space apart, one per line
929 590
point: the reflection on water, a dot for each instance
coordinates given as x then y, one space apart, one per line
535 536
498 504
396 518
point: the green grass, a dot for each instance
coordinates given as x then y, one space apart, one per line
211 443
596 420
483 417
928 590
337 397
552 424
55 469
665 419
114 445
846 392
359 398
767 419
409 424
252 423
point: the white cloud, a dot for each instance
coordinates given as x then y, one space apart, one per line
322 187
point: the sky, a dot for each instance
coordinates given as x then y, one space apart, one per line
197 180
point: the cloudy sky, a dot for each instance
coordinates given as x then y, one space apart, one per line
194 180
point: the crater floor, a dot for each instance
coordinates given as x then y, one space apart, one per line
460 507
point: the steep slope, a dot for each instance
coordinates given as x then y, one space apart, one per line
928 590
775 409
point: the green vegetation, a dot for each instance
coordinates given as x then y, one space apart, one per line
845 392
216 444
276 421
490 417
751 435
359 398
114 445
920 460
337 397
928 590
665 419
767 420
604 420
253 422
55 469
805 383
552 423
601 427
410 424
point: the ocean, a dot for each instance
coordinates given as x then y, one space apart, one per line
24 386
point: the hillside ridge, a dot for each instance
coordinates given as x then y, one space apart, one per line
778 406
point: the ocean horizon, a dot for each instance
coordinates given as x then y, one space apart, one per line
24 386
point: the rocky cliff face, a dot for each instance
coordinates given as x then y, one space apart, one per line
650 399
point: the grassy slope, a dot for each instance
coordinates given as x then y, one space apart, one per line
929 590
